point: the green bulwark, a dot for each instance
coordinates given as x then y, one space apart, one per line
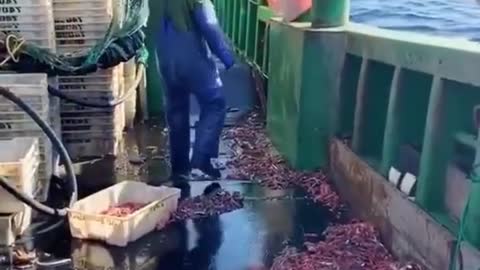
380 90
305 66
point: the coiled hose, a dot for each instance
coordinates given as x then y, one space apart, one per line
42 208
65 158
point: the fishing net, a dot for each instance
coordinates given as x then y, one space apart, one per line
128 17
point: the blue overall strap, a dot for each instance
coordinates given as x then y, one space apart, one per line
206 21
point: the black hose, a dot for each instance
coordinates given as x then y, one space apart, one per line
63 156
110 104
33 234
29 200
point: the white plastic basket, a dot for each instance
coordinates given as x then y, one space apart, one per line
86 222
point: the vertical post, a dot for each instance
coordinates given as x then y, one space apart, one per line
472 228
330 13
437 149
322 63
392 137
360 108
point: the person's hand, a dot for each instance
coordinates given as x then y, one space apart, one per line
229 63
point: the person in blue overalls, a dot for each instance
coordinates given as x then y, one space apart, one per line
188 35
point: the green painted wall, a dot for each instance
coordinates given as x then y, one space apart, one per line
304 73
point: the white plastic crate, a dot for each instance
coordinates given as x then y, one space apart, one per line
21 19
61 19
111 87
41 27
27 84
97 5
30 20
73 45
32 89
81 134
7 126
92 147
108 76
22 221
80 25
99 74
78 126
46 166
77 35
19 161
90 123
65 26
97 96
87 222
22 11
25 19
11 111
73 108
94 14
27 2
93 142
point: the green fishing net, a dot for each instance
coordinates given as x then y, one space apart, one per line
128 17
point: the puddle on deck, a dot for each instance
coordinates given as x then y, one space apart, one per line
237 240
248 237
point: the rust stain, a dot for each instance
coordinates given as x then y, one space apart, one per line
354 182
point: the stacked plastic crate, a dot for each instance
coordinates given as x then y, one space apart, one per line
19 163
86 131
31 20
14 123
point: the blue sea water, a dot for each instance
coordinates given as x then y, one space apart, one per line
451 18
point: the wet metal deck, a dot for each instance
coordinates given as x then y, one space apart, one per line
248 237
233 241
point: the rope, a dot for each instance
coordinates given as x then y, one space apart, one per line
18 43
475 178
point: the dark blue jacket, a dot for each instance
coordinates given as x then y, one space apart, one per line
188 36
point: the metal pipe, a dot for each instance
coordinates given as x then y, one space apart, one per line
330 13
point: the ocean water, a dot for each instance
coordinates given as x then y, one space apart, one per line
451 18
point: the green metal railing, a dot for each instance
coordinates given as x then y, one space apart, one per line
383 89
406 89
246 24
